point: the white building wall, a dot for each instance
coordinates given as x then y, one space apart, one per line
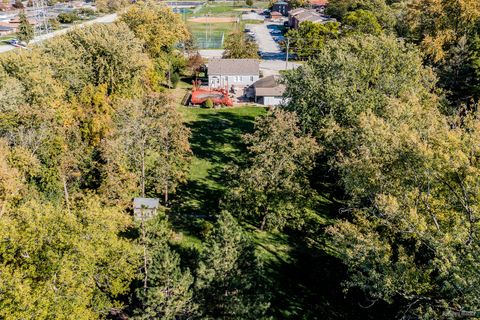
272 101
215 81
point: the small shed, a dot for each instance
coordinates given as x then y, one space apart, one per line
282 7
145 208
269 91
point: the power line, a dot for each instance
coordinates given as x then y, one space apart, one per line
40 12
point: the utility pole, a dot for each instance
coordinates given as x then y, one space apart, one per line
286 58
40 11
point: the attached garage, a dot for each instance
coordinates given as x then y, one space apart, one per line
269 91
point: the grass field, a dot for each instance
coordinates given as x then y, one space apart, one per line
209 35
303 277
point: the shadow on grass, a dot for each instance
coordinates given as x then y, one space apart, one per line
216 137
309 286
303 277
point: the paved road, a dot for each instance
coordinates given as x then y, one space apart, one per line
273 59
105 19
269 49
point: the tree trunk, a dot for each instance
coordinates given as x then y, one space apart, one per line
166 194
143 171
65 191
4 206
263 222
145 267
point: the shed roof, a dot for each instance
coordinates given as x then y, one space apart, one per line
236 67
146 203
269 87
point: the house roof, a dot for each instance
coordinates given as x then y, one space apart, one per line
307 15
318 2
313 16
269 87
146 203
296 11
236 67
282 3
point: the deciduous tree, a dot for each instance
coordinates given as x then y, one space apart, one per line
309 39
151 140
58 263
273 187
237 47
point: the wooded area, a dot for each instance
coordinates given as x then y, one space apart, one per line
357 199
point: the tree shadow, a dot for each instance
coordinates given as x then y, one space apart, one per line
309 286
216 137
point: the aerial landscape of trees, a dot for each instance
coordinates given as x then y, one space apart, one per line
358 198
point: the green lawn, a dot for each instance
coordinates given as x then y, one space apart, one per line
304 279
216 140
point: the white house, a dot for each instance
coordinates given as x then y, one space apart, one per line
225 73
269 91
145 208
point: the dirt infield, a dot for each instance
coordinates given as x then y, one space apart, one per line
213 19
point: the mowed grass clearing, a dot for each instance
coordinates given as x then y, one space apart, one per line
302 278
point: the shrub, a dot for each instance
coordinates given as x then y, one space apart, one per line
174 79
86 12
53 24
67 17
208 103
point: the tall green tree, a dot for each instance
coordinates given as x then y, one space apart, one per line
413 187
237 47
151 141
272 189
25 31
165 291
161 30
407 174
361 21
114 55
229 277
309 39
352 75
446 32
384 11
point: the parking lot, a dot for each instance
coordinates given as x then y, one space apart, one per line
265 35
